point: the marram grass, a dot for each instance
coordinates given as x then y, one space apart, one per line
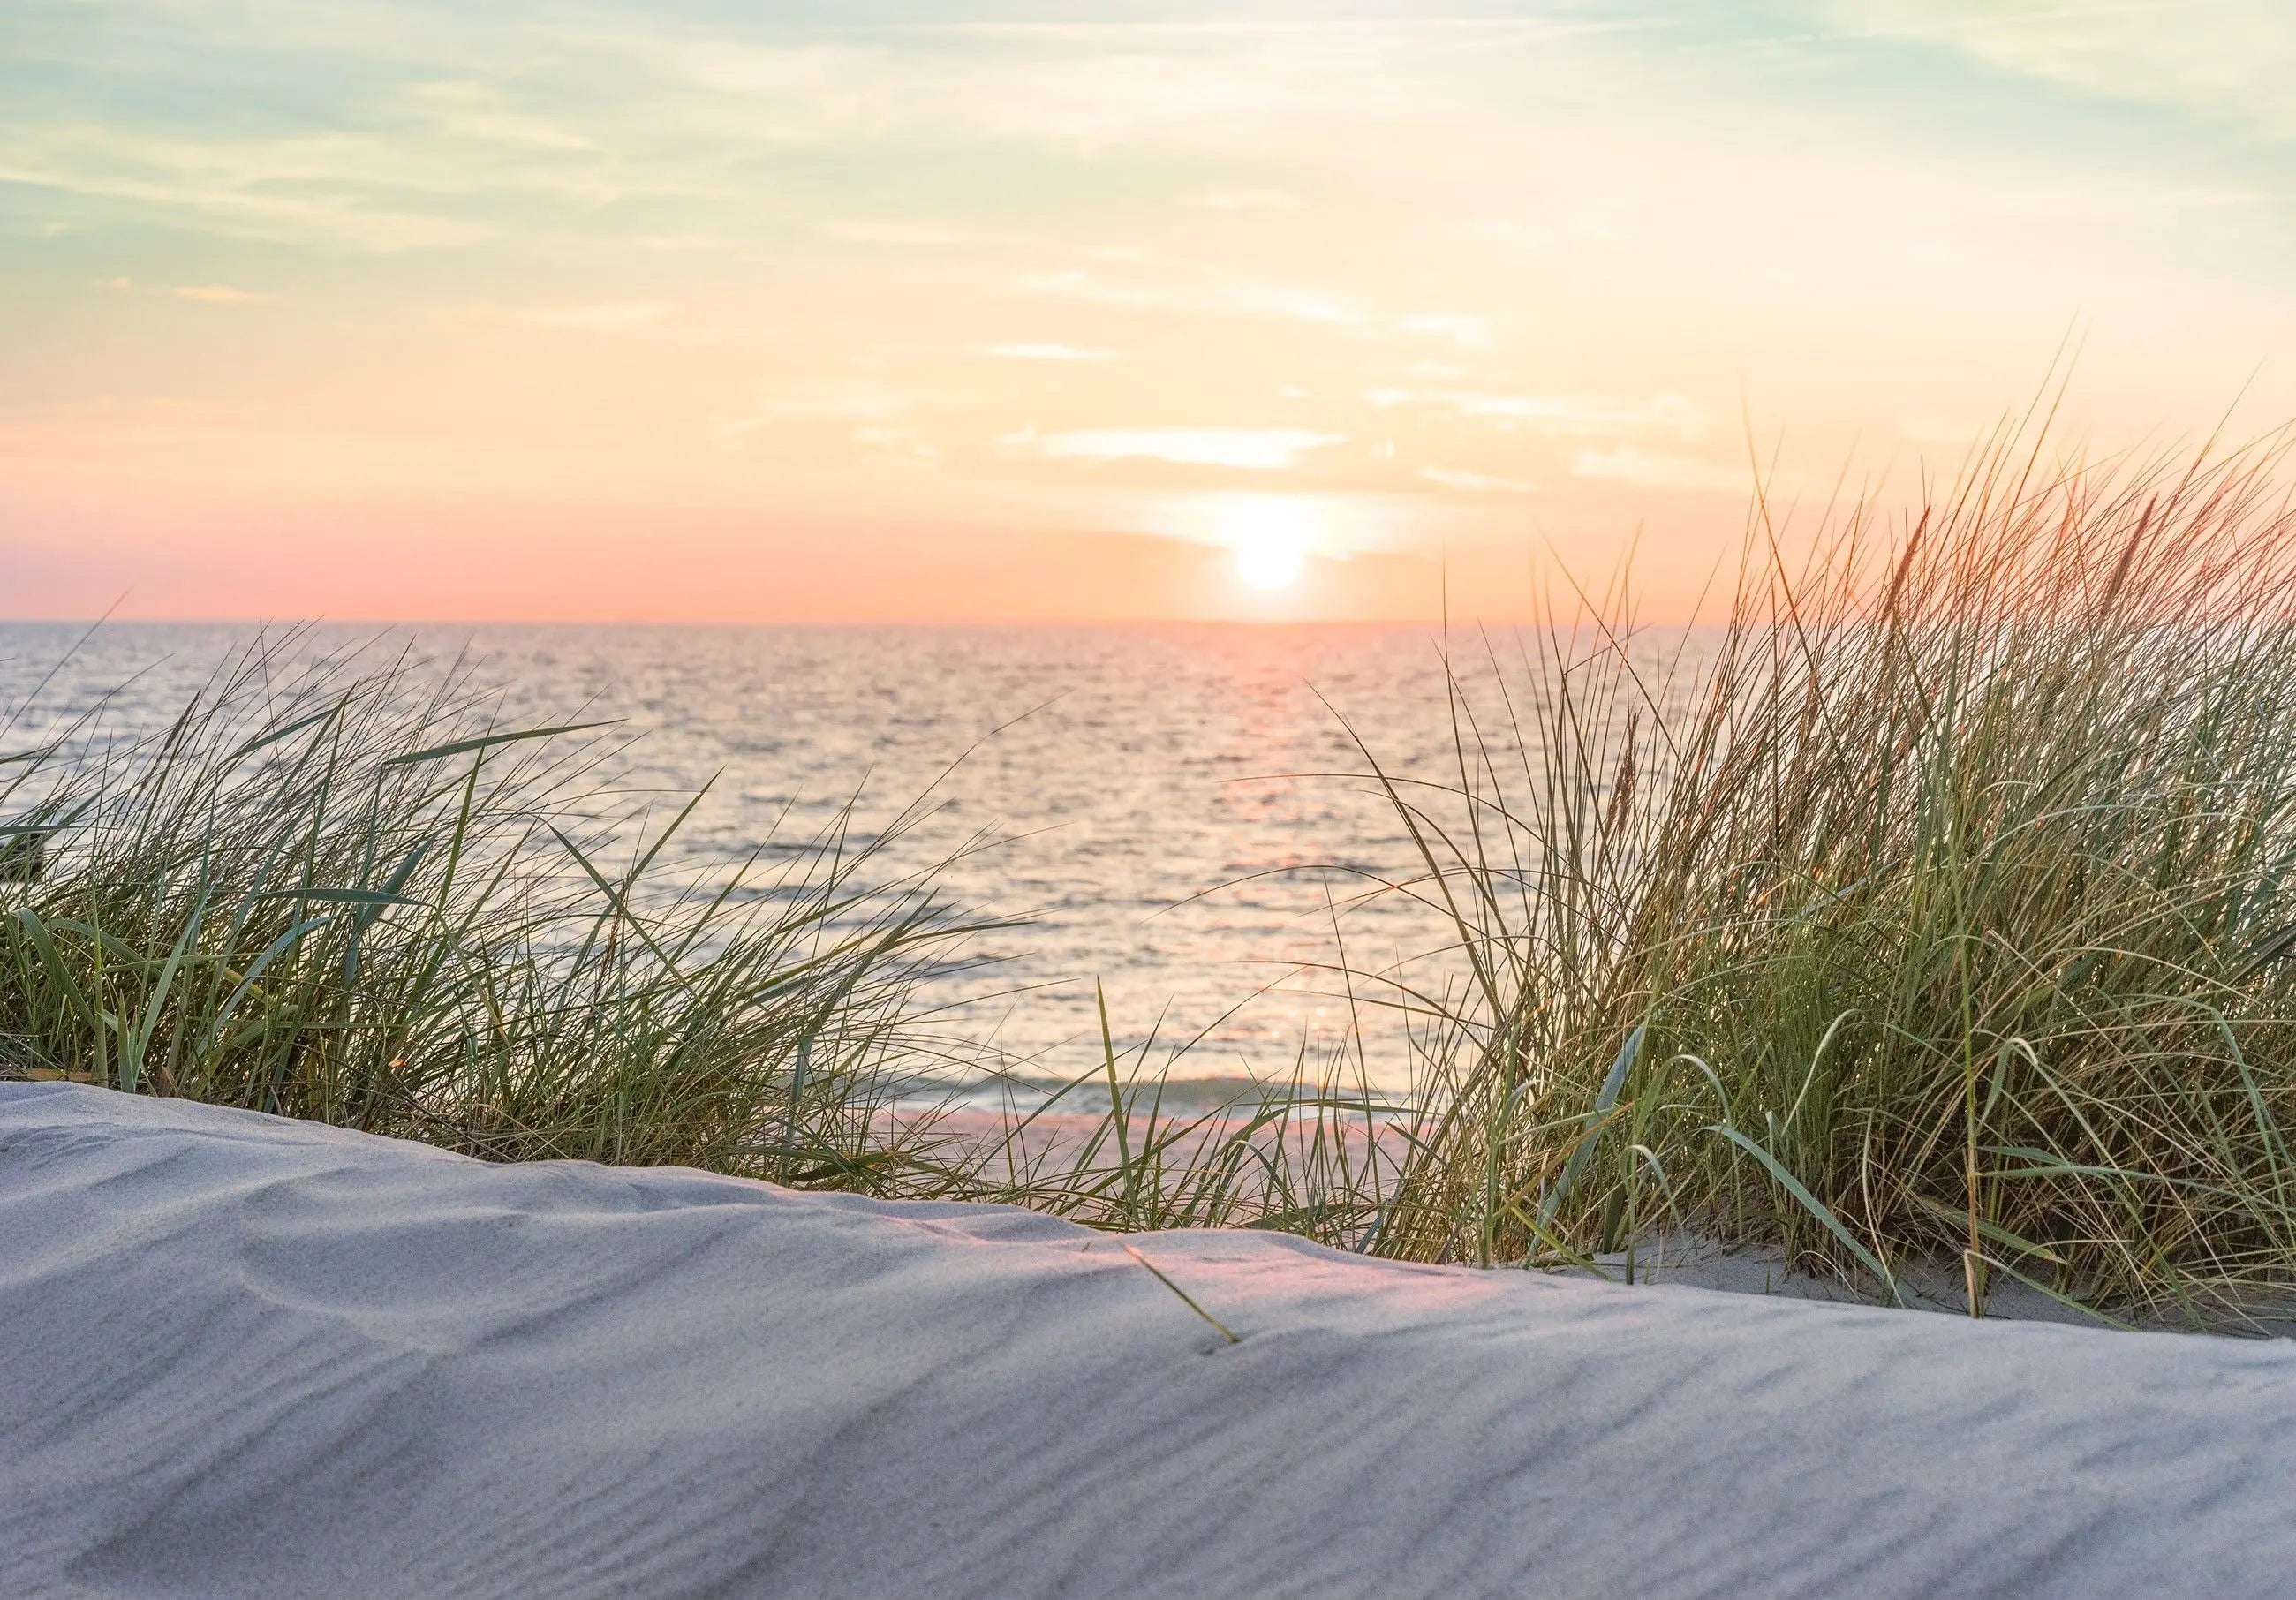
1942 905
1939 907
337 887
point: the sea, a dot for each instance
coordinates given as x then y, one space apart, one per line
1182 819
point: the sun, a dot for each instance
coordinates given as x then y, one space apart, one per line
1267 561
1271 537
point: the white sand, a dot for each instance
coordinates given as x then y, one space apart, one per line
245 1357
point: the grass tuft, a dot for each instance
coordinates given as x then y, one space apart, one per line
337 887
1952 883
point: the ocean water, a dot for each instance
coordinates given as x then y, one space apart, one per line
1180 813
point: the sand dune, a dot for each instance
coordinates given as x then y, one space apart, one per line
247 1356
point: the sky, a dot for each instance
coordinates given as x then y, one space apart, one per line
890 310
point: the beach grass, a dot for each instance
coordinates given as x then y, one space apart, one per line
339 886
1938 906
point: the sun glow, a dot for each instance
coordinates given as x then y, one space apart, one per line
1272 538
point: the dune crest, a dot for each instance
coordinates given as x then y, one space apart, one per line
250 1357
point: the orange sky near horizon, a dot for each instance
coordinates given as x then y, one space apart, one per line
918 312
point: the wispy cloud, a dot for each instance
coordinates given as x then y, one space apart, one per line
605 316
903 441
2221 59
1561 415
1476 483
219 294
1579 416
480 112
924 236
1045 352
876 407
334 189
1212 292
211 294
1257 448
1653 469
1146 86
1246 200
1467 332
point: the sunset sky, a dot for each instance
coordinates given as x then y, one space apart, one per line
888 311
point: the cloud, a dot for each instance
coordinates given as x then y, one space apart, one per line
1573 416
1659 470
605 316
211 294
217 294
1045 352
871 405
1201 291
1562 416
1467 333
1257 448
1246 200
1147 84
900 441
2221 59
1476 483
910 234
478 113
321 188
